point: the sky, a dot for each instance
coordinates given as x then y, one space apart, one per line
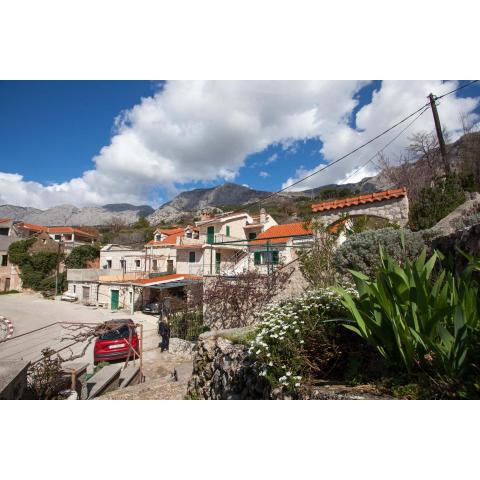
142 142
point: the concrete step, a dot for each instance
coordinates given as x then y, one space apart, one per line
130 375
105 380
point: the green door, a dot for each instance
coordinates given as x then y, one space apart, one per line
114 300
210 234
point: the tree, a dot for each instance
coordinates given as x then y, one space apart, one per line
316 263
80 256
235 301
142 222
435 203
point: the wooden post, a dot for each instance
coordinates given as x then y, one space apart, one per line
438 129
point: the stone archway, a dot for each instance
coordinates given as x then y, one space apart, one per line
391 205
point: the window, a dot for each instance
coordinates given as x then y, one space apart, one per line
189 234
265 257
58 237
227 229
218 260
109 264
252 236
137 263
158 237
74 289
155 264
4 260
191 257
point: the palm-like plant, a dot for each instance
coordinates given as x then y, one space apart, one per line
410 317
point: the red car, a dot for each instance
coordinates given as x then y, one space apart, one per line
113 344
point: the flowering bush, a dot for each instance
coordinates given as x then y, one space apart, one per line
299 340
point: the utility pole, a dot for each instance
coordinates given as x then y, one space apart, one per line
438 128
57 267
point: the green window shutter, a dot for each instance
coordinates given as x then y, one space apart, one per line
257 258
275 257
228 230
191 257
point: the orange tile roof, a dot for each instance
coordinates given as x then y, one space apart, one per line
359 200
31 226
3 220
170 240
169 231
283 232
69 230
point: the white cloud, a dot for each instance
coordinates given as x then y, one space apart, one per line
272 158
203 131
394 101
264 174
193 131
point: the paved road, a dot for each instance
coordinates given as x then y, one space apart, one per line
30 311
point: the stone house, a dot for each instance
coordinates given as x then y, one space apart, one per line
9 273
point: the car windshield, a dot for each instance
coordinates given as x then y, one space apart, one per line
121 332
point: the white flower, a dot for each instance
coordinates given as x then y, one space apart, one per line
297 384
302 341
289 374
257 352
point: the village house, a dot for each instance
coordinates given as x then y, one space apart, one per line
221 244
9 274
161 253
278 245
68 237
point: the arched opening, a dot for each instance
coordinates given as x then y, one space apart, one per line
350 224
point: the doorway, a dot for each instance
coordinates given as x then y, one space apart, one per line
86 295
115 296
210 234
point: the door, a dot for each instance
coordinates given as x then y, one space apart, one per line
218 259
210 234
115 295
86 295
7 284
169 266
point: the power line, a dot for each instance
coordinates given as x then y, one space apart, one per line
386 145
336 161
456 90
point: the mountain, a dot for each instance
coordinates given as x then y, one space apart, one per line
193 201
74 216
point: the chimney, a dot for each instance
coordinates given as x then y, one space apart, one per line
263 216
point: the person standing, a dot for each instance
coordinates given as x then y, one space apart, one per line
164 332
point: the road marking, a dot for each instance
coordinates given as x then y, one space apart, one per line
9 327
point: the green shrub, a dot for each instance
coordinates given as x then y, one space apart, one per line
80 256
435 203
360 251
37 271
302 340
18 251
416 320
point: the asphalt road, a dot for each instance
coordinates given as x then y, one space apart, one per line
30 312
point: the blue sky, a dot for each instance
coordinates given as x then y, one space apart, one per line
185 135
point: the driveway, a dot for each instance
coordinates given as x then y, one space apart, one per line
30 312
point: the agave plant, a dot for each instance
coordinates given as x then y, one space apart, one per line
414 313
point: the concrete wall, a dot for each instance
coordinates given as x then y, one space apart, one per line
135 259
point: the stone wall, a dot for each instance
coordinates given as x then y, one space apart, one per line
394 210
466 240
222 370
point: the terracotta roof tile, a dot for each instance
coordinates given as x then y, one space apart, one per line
169 231
3 220
359 200
284 232
69 230
170 240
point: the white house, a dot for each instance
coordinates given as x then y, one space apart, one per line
123 258
221 245
278 245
